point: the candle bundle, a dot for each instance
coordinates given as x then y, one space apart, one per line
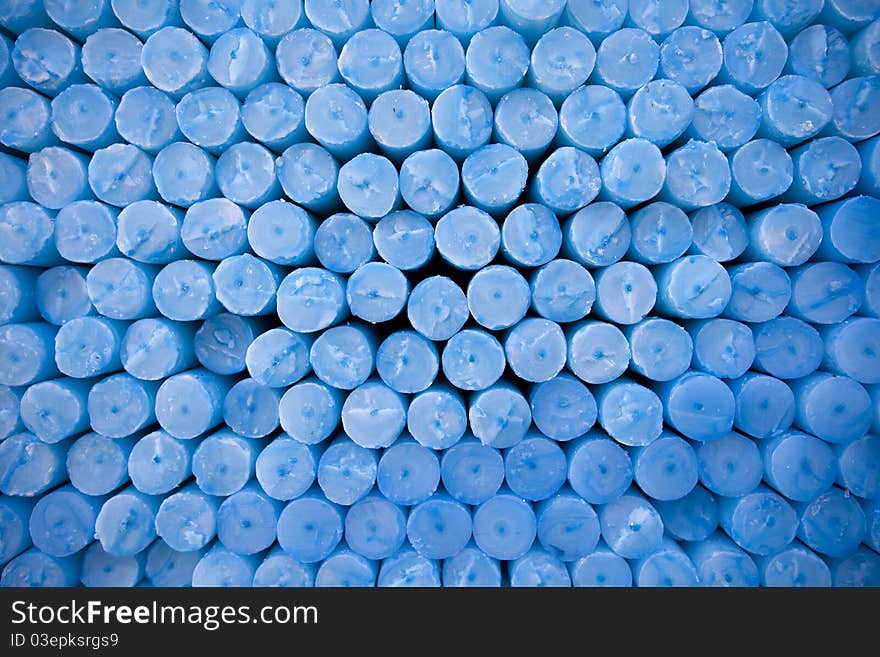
439 293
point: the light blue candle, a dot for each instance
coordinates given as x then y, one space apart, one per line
346 471
209 20
850 349
407 568
437 308
37 342
337 119
404 239
437 418
601 568
720 562
471 472
159 463
401 19
597 352
690 56
371 62
10 419
240 61
539 568
865 60
461 118
591 118
760 170
848 16
725 116
224 462
125 524
562 60
697 175
871 509
246 175
871 279
498 297
660 112
343 242
345 568
339 21
272 22
656 18
439 528
184 174
722 347
166 567
35 568
788 20
14 172
847 236
535 468
286 468
274 115
310 411
149 232
146 17
374 415
799 466
60 294
343 356
764 405
246 284
690 518
210 117
121 288
55 410
631 527
88 346
566 181
471 567
760 291
824 292
280 570
433 61
222 568
666 468
464 18
669 566
20 15
504 526
186 520
760 522
280 232
251 409
184 291
697 405
57 176
377 292
833 523
161 56
80 21
526 120
68 122
121 175
246 520
739 66
634 172
278 358
407 362
400 123
146 118
660 350
8 76
857 464
98 465
222 341
824 170
368 186
214 229
14 533
837 409
121 405
562 291
568 527
821 53
112 58
660 233
473 360
786 235
308 175
626 292
375 528
563 408
63 522
597 235
694 287
85 231
102 569
47 60
310 528
190 403
496 61
429 182
493 177
306 60
794 109
787 348
626 60
862 568
30 466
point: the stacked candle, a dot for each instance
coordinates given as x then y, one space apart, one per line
422 293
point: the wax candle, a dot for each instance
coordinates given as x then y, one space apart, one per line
602 567
741 68
278 569
310 528
697 175
404 239
660 233
373 414
693 286
214 229
761 522
112 58
437 418
10 419
837 409
631 527
429 182
167 567
820 53
850 349
272 22
121 289
306 60
68 123
464 18
407 362
473 360
863 43
280 232
722 347
14 533
344 568
184 174
368 186
697 405
760 170
222 568
437 307
337 119
625 292
794 109
852 119
22 14
626 60
184 290
246 175
146 118
100 568
407 568
786 234
145 18
61 295
246 520
14 172
160 56
594 131
311 299
310 410
251 409
666 468
274 115
725 116
660 350
79 22
498 297
57 176
562 291
47 60
788 20
159 463
471 567
471 472
222 341
209 20
85 231
848 16
857 464
833 523
346 471
88 346
496 61
121 405
760 291
538 568
824 292
859 569
400 123
869 181
240 61
690 518
439 528
764 405
562 60
278 358
186 520
629 412
371 62
493 177
210 117
634 171
504 526
597 235
339 22
126 523
246 284
461 118
567 180
660 111
535 468
36 342
62 522
599 470
690 56
668 566
597 352
846 235
568 527
224 462
787 348
190 403
870 275
798 465
34 568
98 465
720 562
526 120
121 175
344 356
375 528
871 509
286 468
824 170
149 232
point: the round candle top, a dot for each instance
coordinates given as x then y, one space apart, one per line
402 19
61 294
761 522
368 186
57 176
274 114
788 19
526 120
824 170
146 117
627 60
858 464
377 292
821 53
306 60
852 347
308 174
278 358
46 60
210 19
407 362
730 465
92 450
690 56
504 526
786 235
144 17
346 568
563 408
184 174
562 60
223 463
660 112
54 410
471 567
634 171
535 467
625 292
184 290
87 346
849 15
155 348
429 182
14 173
336 117
109 397
592 118
567 180
68 109
338 20
848 232
408 473
30 466
309 411
660 233
220 567
246 175
190 403
825 292
437 308
437 418
343 242
112 58
309 528
535 349
167 567
271 20
754 56
837 409
498 297
697 175
149 232
862 568
467 237
760 170
246 521
694 287
833 523
539 568
496 61
726 116
251 409
631 526
568 526
26 352
690 518
698 405
400 122
370 62
493 177
865 58
343 356
795 566
787 348
660 349
121 174
799 466
10 402
794 108
562 291
723 347
461 117
214 229
17 294
601 567
597 235
439 528
373 415
311 299
125 524
347 471
473 360
656 17
175 61
596 18
764 405
630 413
499 416
719 231
239 60
597 352
375 528
158 463
408 568
404 239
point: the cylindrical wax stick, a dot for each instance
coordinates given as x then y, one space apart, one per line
97 465
634 172
279 569
690 56
865 59
848 15
368 186
308 175
471 567
437 308
404 239
567 180
166 567
346 471
786 235
496 61
209 20
407 568
407 362
337 119
697 175
306 60
224 462
600 568
246 520
498 297
561 61
30 466
464 18
339 22
599 470
597 235
186 520
722 347
85 231
402 20
278 357
535 468
461 118
55 410
35 568
871 509
591 118
375 528
10 418
63 522
562 408
184 291
697 405
720 562
310 527
433 61
871 279
429 182
377 292
824 292
184 174
760 522
860 569
625 292
437 417
159 463
787 348
794 108
631 526
175 61
853 119
146 117
789 20
597 352
20 15
439 528
798 465
562 291
121 288
112 58
833 523
286 468
374 415
690 518
14 175
280 232
83 115
567 526
764 405
311 299
741 68
665 469
246 284
47 60
88 346
240 61
80 21
400 123
760 170
145 17
14 533
847 230
857 466
539 568
271 22
214 229
493 177
222 568
660 350
504 526
274 115
251 409
210 117
27 353
837 409
61 295
821 53
345 568
824 170
692 287
190 403
851 349
343 356
535 349
120 405
473 360
121 175
472 473
222 341
467 238
725 116
149 232
660 112
57 176
126 522
626 60
526 120
370 62
246 175
760 291
310 411
660 233
669 566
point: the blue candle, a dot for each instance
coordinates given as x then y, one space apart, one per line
308 175
526 120
374 415
722 347
498 297
102 569
660 233
660 112
209 20
370 62
221 567
668 566
224 462
251 409
337 119
433 61
821 53
852 118
47 60
184 290
121 405
437 417
377 292
190 403
666 468
437 308
310 411
246 285
824 170
871 509
473 360
279 569
760 291
10 420
63 522
162 54
407 362
535 468
567 180
311 299
159 463
375 528
272 22
655 19
865 60
597 352
493 177
147 16
346 471
368 186
629 412
846 232
121 175
720 562
400 123
166 567
184 174
568 527
339 21
121 288
80 21
274 115
278 357
464 18
88 346
280 232
30 466
832 524
562 291
848 16
787 348
505 526
222 341
439 528
824 292
187 519
626 60
602 567
125 524
697 405
660 350
798 465
14 533
310 528
149 232
344 568
343 242
240 61
563 408
857 464
496 61
481 234
634 172
35 568
631 527
210 117
55 410
286 468
697 175
246 520
14 172
343 356
19 15
690 518
742 68
694 287
760 170
61 295
214 229
850 348
862 568
37 342
306 60
471 567
562 60
837 409
98 465
68 122
146 118
461 118
539 568
760 522
429 182
725 116
404 239
591 118
246 175
407 568
764 405
795 109
690 56
112 58
786 235
85 231
626 292
597 235
871 279
57 176
471 472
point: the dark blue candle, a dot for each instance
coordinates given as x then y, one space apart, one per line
568 527
601 568
310 528
690 518
666 567
760 522
832 524
535 468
